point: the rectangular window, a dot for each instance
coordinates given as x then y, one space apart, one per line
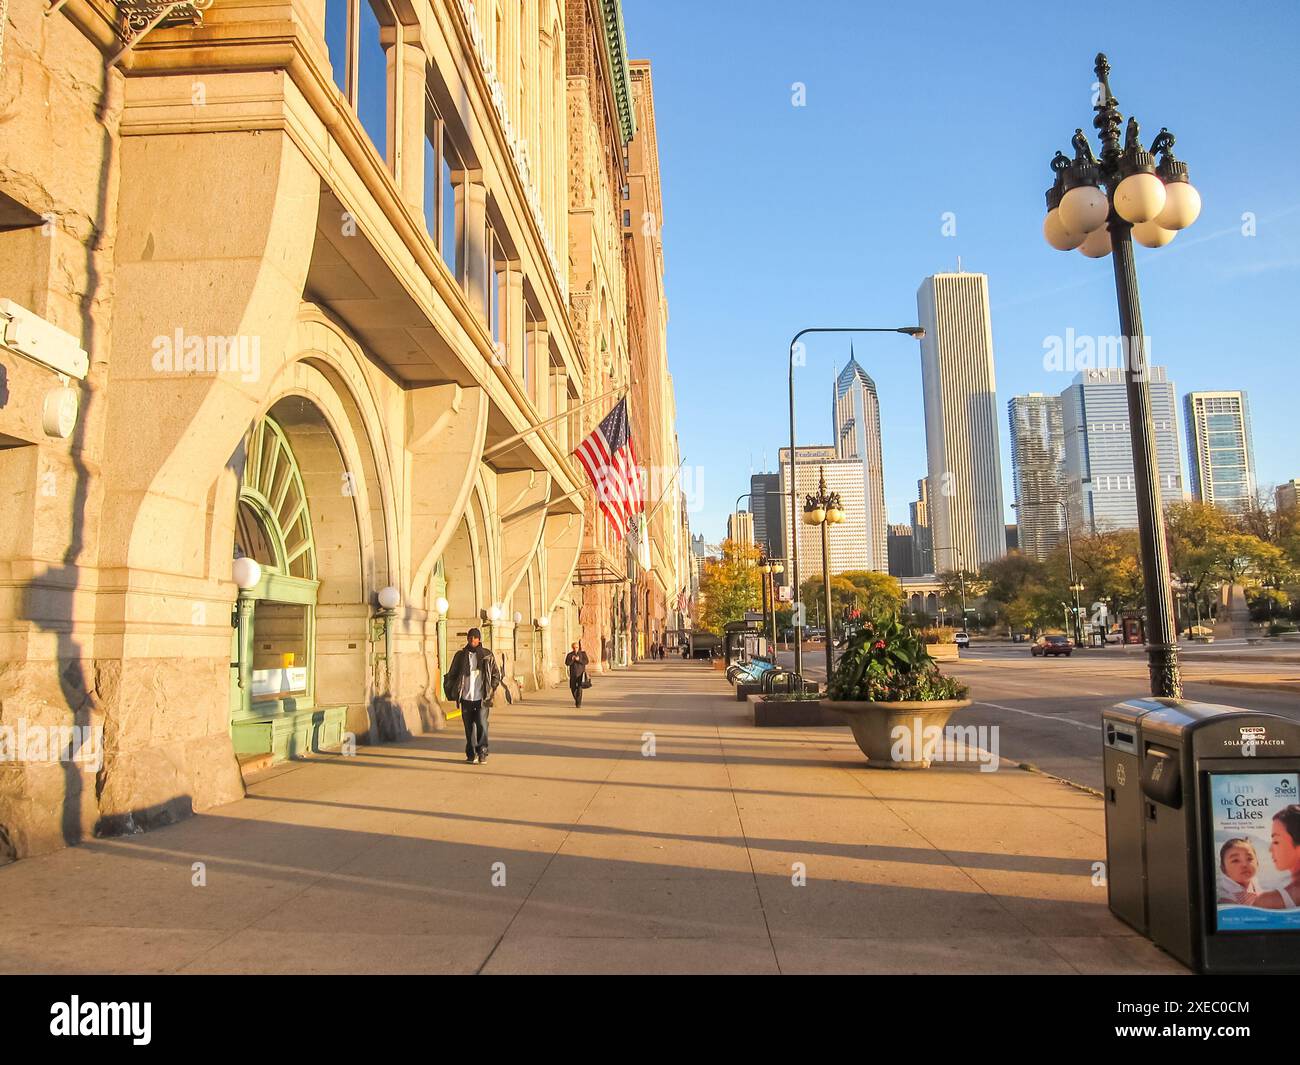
359 62
440 168
432 173
451 253
530 336
336 41
372 81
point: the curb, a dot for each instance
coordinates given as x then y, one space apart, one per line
1292 686
1031 768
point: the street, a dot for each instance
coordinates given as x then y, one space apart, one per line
1048 710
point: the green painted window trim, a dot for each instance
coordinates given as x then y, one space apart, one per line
266 491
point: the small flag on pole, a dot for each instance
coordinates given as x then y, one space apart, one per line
610 461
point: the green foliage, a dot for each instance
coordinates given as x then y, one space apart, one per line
887 661
728 587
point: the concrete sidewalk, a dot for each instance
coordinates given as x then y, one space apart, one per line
612 861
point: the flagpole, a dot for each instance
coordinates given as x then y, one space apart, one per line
500 445
534 507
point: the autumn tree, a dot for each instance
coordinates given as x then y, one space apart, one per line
729 586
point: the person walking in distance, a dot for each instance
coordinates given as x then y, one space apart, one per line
472 680
576 661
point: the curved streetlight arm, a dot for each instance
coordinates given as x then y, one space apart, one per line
911 330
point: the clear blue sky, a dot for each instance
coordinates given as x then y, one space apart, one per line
778 217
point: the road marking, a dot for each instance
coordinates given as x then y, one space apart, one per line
1045 717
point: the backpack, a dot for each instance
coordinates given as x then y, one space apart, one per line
450 682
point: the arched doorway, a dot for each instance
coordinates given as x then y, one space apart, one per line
275 710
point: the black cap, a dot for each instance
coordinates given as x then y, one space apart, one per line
473 633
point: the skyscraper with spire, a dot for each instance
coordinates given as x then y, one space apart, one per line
855 417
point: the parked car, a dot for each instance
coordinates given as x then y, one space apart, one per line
1051 645
961 639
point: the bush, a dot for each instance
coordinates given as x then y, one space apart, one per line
1279 627
939 635
886 661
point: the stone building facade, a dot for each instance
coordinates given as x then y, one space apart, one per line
326 263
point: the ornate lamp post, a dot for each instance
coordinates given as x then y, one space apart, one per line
770 568
824 509
1101 207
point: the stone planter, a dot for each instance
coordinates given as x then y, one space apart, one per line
943 652
874 726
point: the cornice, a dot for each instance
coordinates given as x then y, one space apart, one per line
611 12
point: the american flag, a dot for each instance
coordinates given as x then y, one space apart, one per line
610 461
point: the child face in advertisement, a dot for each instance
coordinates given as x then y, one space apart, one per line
1240 863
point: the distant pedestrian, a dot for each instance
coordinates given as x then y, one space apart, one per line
472 681
576 662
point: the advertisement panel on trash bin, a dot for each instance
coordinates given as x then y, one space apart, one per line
1255 834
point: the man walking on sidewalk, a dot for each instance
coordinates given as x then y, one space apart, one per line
576 660
472 680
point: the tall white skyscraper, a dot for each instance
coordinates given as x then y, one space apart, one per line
848 540
1099 486
961 422
856 420
1038 467
1220 454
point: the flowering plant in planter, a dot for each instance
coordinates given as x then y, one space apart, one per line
887 661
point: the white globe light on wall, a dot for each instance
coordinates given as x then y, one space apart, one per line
494 612
518 617
389 597
440 605
543 622
246 573
1140 197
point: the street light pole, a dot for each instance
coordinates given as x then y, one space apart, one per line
1151 203
917 333
824 509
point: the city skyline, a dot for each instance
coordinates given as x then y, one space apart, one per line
1214 288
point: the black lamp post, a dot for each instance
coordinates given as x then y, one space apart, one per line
824 509
1101 206
917 333
770 568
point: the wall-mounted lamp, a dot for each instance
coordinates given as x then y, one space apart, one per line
247 574
440 606
518 617
494 612
382 627
542 622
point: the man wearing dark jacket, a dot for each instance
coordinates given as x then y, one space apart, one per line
576 660
472 680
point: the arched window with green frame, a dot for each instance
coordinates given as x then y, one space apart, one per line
273 526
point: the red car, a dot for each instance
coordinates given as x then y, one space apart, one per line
1051 645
